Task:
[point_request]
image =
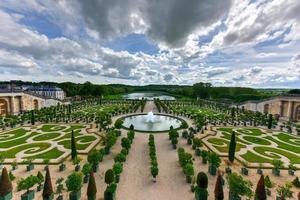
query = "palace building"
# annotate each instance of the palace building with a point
(15, 100)
(285, 107)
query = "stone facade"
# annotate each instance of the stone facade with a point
(284, 107)
(12, 103)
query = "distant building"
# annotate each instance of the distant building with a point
(15, 100)
(47, 91)
(285, 107)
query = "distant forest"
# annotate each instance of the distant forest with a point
(201, 90)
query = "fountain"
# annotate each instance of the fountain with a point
(150, 117)
(152, 122)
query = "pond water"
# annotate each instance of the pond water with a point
(151, 123)
(148, 95)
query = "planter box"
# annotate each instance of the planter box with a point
(62, 167)
(117, 178)
(92, 198)
(291, 172)
(60, 197)
(231, 197)
(198, 152)
(244, 171)
(86, 179)
(77, 168)
(212, 170)
(259, 171)
(95, 168)
(28, 196)
(188, 179)
(276, 172)
(30, 167)
(75, 195)
(6, 197)
(39, 188)
(268, 192)
(228, 170)
(49, 198)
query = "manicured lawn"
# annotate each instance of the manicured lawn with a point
(257, 140)
(51, 154)
(39, 141)
(82, 142)
(252, 157)
(17, 141)
(52, 127)
(261, 151)
(220, 142)
(27, 148)
(46, 136)
(292, 157)
(13, 134)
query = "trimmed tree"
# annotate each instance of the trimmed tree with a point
(270, 120)
(5, 183)
(73, 146)
(238, 186)
(48, 189)
(92, 189)
(260, 192)
(109, 177)
(32, 118)
(232, 145)
(219, 193)
(201, 192)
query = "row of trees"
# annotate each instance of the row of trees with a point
(153, 158)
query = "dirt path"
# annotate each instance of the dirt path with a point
(136, 182)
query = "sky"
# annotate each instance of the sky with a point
(249, 43)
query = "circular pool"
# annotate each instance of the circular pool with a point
(152, 123)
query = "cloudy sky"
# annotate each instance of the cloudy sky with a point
(226, 42)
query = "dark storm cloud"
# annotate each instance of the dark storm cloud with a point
(166, 21)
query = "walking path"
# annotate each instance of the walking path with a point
(136, 182)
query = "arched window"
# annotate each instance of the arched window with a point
(35, 104)
(266, 108)
(3, 107)
(298, 113)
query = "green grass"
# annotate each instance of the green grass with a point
(282, 145)
(292, 157)
(257, 140)
(52, 127)
(28, 149)
(288, 138)
(46, 136)
(51, 154)
(253, 131)
(217, 142)
(254, 158)
(87, 140)
(4, 136)
(22, 140)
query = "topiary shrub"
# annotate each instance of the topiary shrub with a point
(109, 177)
(5, 183)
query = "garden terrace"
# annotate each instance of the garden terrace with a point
(257, 147)
(44, 142)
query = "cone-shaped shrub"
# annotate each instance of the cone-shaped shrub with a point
(260, 192)
(48, 189)
(91, 190)
(232, 146)
(5, 183)
(219, 193)
(73, 146)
